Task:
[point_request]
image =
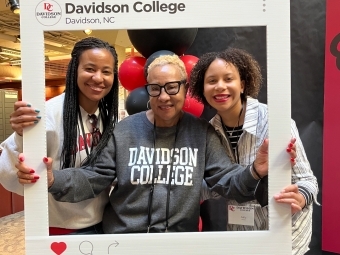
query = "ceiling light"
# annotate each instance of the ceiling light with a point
(88, 31)
(15, 62)
(9, 52)
(15, 7)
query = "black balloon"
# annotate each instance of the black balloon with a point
(147, 41)
(153, 56)
(137, 101)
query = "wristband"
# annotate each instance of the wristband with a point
(257, 174)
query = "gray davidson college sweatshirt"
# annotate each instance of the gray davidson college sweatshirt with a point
(139, 156)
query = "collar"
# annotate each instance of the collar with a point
(251, 117)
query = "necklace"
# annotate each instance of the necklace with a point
(233, 140)
(230, 132)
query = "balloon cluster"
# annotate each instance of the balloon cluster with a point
(152, 43)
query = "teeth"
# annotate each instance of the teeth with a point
(221, 97)
(96, 88)
(165, 107)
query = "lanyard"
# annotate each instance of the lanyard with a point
(152, 188)
(95, 134)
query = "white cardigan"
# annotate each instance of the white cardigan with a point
(62, 215)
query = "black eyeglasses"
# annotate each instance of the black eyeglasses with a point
(171, 88)
(96, 135)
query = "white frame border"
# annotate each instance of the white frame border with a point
(275, 15)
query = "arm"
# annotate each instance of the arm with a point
(229, 180)
(11, 148)
(302, 174)
(78, 184)
(304, 188)
(23, 116)
(206, 193)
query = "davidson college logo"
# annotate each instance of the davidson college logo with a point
(48, 13)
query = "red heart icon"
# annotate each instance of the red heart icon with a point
(58, 248)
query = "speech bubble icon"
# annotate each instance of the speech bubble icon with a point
(86, 248)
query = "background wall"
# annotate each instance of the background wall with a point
(307, 69)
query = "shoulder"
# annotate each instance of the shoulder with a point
(135, 121)
(263, 107)
(131, 118)
(253, 106)
(55, 103)
(194, 122)
(188, 117)
(54, 112)
(195, 125)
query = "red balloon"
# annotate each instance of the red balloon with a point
(189, 62)
(131, 73)
(192, 106)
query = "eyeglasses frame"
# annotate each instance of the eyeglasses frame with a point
(163, 87)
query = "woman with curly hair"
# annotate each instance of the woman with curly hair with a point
(229, 81)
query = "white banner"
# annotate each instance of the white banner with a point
(39, 16)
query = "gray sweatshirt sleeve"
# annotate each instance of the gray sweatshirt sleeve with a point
(206, 192)
(227, 179)
(77, 184)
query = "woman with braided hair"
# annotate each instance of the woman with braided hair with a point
(77, 121)
(229, 81)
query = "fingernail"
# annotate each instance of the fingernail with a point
(39, 117)
(294, 140)
(28, 105)
(21, 159)
(36, 177)
(292, 159)
(35, 122)
(289, 149)
(33, 181)
(45, 160)
(291, 145)
(32, 171)
(36, 110)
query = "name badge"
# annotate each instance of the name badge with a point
(241, 215)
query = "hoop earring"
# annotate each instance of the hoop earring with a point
(147, 105)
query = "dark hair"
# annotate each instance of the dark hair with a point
(248, 68)
(108, 106)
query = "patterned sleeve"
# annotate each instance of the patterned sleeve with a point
(302, 174)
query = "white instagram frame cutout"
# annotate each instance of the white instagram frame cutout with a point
(275, 15)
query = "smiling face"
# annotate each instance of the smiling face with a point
(95, 77)
(166, 109)
(223, 87)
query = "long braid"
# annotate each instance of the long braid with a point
(108, 106)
